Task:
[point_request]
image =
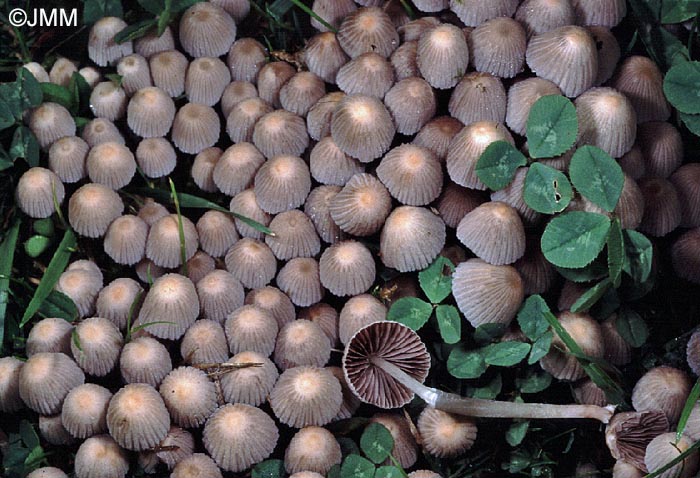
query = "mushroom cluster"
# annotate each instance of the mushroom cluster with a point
(357, 158)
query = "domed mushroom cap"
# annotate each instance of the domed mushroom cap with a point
(662, 148)
(685, 254)
(412, 174)
(49, 335)
(168, 70)
(175, 447)
(156, 157)
(664, 448)
(305, 396)
(274, 301)
(299, 279)
(144, 360)
(108, 100)
(487, 293)
(92, 208)
(332, 11)
(246, 204)
(442, 55)
(125, 240)
(236, 92)
(567, 56)
(608, 53)
(606, 120)
(359, 311)
(312, 449)
(251, 328)
(45, 380)
(204, 342)
(35, 192)
(206, 30)
(662, 388)
(686, 179)
(238, 436)
(219, 294)
(326, 317)
(10, 400)
(199, 265)
(662, 208)
(189, 396)
(47, 472)
(195, 128)
(295, 236)
(539, 16)
(101, 456)
(347, 268)
(513, 195)
(302, 91)
(405, 449)
(203, 168)
(242, 118)
(362, 127)
(102, 49)
(478, 97)
(206, 80)
(318, 119)
(84, 410)
(521, 96)
(474, 13)
(53, 432)
(270, 80)
(245, 59)
(62, 70)
(628, 434)
(236, 167)
(404, 60)
(411, 238)
(497, 47)
(195, 465)
(281, 133)
(282, 183)
(445, 435)
(394, 343)
(317, 207)
(100, 344)
(301, 342)
(587, 333)
(249, 385)
(251, 262)
(412, 103)
(494, 232)
(217, 233)
(150, 112)
(173, 300)
(368, 29)
(163, 242)
(330, 165)
(324, 56)
(82, 287)
(625, 470)
(640, 80)
(137, 418)
(368, 74)
(111, 164)
(50, 122)
(607, 13)
(617, 350)
(361, 207)
(67, 158)
(437, 134)
(135, 73)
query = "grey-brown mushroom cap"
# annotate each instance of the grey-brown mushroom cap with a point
(390, 341)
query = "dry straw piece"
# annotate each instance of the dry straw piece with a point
(662, 388)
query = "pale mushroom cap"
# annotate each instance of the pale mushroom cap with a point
(442, 55)
(67, 158)
(10, 400)
(324, 56)
(274, 301)
(45, 380)
(686, 179)
(412, 103)
(497, 46)
(206, 80)
(317, 207)
(301, 92)
(437, 134)
(35, 192)
(246, 204)
(47, 472)
(662, 208)
(195, 128)
(251, 262)
(445, 435)
(539, 16)
(301, 343)
(195, 465)
(108, 100)
(81, 287)
(299, 279)
(203, 168)
(521, 96)
(101, 130)
(666, 447)
(271, 78)
(150, 112)
(294, 236)
(243, 116)
(478, 97)
(281, 133)
(312, 449)
(365, 30)
(156, 157)
(318, 119)
(347, 268)
(251, 328)
(49, 335)
(50, 122)
(329, 165)
(368, 74)
(102, 49)
(206, 30)
(172, 301)
(117, 299)
(168, 70)
(100, 456)
(135, 73)
(474, 12)
(92, 208)
(455, 202)
(150, 44)
(125, 239)
(236, 92)
(332, 11)
(411, 174)
(405, 62)
(596, 12)
(204, 342)
(359, 311)
(163, 242)
(219, 294)
(236, 167)
(144, 360)
(137, 418)
(405, 449)
(640, 79)
(96, 346)
(84, 410)
(189, 396)
(662, 388)
(282, 183)
(361, 207)
(245, 59)
(606, 120)
(61, 71)
(411, 238)
(494, 232)
(249, 385)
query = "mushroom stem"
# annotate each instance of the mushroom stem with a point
(475, 407)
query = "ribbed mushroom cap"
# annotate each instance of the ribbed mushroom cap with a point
(486, 293)
(150, 44)
(135, 73)
(588, 393)
(324, 56)
(245, 59)
(318, 119)
(567, 56)
(587, 333)
(52, 431)
(84, 410)
(206, 30)
(137, 418)
(662, 209)
(145, 360)
(251, 262)
(332, 11)
(102, 49)
(368, 29)
(347, 268)
(100, 457)
(424, 474)
(686, 180)
(478, 97)
(47, 472)
(628, 434)
(204, 342)
(301, 343)
(617, 350)
(350, 401)
(196, 465)
(539, 16)
(466, 149)
(236, 167)
(494, 232)
(238, 9)
(662, 148)
(305, 396)
(302, 91)
(150, 112)
(295, 236)
(147, 271)
(203, 168)
(37, 71)
(513, 195)
(662, 388)
(299, 279)
(692, 428)
(177, 445)
(156, 157)
(172, 299)
(249, 385)
(368, 74)
(361, 207)
(49, 335)
(474, 13)
(312, 449)
(238, 436)
(195, 128)
(608, 53)
(607, 13)
(189, 396)
(405, 61)
(251, 328)
(61, 71)
(10, 367)
(455, 202)
(640, 80)
(217, 233)
(412, 103)
(67, 158)
(96, 346)
(87, 266)
(444, 435)
(35, 192)
(497, 46)
(163, 243)
(521, 96)
(326, 317)
(437, 134)
(50, 122)
(282, 183)
(125, 240)
(405, 449)
(82, 288)
(281, 133)
(625, 470)
(411, 238)
(151, 211)
(390, 341)
(606, 120)
(219, 294)
(234, 93)
(329, 165)
(317, 208)
(664, 448)
(412, 174)
(632, 163)
(45, 380)
(111, 164)
(168, 69)
(101, 130)
(108, 100)
(274, 301)
(358, 312)
(199, 265)
(206, 80)
(413, 30)
(362, 127)
(271, 78)
(92, 208)
(684, 255)
(241, 120)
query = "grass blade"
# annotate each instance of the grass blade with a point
(689, 404)
(53, 272)
(7, 254)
